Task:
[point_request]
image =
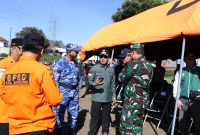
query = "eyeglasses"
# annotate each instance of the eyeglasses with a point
(103, 56)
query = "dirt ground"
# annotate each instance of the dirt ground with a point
(84, 119)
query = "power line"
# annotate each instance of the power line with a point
(21, 13)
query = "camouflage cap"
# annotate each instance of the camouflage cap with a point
(17, 42)
(70, 47)
(137, 46)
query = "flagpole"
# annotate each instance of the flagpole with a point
(112, 55)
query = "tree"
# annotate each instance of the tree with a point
(49, 58)
(132, 7)
(3, 55)
(27, 30)
(57, 44)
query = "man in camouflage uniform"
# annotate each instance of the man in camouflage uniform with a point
(136, 77)
(66, 76)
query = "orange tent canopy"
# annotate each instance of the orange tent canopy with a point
(164, 22)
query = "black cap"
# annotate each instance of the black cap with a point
(189, 55)
(33, 42)
(104, 52)
(17, 42)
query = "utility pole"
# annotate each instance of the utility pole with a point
(52, 28)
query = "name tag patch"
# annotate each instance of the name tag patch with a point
(17, 79)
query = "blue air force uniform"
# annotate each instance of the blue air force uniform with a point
(66, 76)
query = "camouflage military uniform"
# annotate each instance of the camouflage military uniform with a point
(136, 77)
(66, 76)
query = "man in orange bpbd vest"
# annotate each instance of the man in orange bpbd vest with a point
(15, 52)
(30, 91)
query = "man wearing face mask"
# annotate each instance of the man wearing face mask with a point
(188, 103)
(67, 79)
(102, 81)
(15, 53)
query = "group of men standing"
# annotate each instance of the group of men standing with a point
(31, 94)
(27, 89)
(135, 77)
(33, 98)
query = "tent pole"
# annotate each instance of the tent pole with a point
(113, 51)
(179, 84)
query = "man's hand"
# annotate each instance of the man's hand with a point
(180, 104)
(98, 82)
(114, 101)
(197, 97)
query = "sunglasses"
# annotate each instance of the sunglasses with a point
(103, 56)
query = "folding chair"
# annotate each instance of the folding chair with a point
(170, 126)
(159, 104)
(177, 117)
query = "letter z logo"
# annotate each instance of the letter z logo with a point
(175, 8)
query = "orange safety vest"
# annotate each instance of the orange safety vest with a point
(4, 64)
(30, 91)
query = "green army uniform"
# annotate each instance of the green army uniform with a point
(136, 76)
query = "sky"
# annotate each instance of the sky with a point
(71, 21)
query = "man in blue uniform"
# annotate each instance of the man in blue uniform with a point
(66, 76)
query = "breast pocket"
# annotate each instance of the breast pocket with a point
(109, 77)
(98, 75)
